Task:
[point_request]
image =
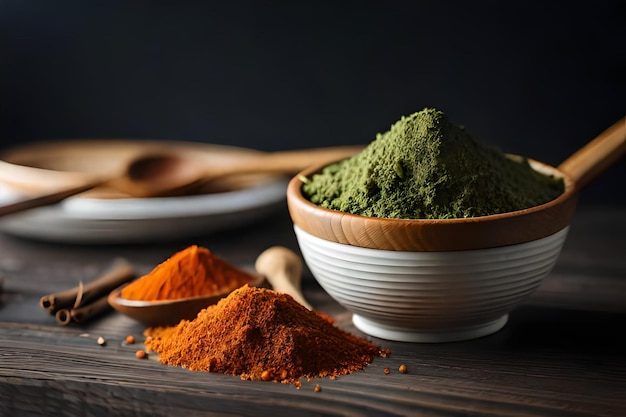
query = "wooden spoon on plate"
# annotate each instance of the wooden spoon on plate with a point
(165, 174)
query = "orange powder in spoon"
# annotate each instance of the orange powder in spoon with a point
(192, 272)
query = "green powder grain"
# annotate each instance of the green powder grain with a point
(426, 167)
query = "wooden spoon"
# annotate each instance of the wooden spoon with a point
(167, 312)
(586, 164)
(166, 174)
(282, 268)
(278, 266)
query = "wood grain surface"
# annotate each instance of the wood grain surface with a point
(563, 353)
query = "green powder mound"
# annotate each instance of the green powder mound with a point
(426, 167)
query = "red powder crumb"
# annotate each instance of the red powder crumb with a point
(317, 388)
(386, 371)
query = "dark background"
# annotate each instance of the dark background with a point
(537, 78)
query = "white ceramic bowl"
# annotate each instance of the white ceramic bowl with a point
(430, 296)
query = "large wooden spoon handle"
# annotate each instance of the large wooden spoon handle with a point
(595, 157)
(285, 162)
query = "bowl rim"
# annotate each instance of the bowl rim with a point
(433, 234)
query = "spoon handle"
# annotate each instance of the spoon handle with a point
(283, 270)
(285, 162)
(45, 199)
(596, 156)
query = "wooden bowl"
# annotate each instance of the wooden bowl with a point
(520, 226)
(167, 312)
(433, 235)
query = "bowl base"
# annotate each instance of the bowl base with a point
(403, 334)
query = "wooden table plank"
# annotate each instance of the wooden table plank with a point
(563, 353)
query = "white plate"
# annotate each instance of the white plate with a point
(91, 219)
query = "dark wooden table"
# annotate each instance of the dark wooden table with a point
(563, 353)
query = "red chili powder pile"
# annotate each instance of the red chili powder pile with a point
(260, 334)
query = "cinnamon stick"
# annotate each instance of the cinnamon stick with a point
(82, 314)
(63, 317)
(98, 307)
(119, 273)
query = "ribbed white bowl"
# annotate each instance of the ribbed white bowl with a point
(430, 296)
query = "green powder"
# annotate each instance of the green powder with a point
(426, 167)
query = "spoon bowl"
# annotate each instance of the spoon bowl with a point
(171, 173)
(168, 312)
